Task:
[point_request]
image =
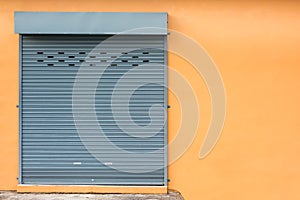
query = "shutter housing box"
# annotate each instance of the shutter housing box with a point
(54, 47)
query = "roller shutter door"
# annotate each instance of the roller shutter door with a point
(52, 149)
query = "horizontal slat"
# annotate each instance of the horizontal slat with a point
(91, 180)
(90, 133)
(81, 127)
(89, 37)
(88, 154)
(83, 156)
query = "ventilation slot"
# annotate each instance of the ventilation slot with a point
(61, 60)
(50, 56)
(113, 65)
(39, 52)
(145, 52)
(135, 57)
(71, 65)
(103, 52)
(92, 56)
(61, 52)
(81, 52)
(71, 56)
(145, 60)
(134, 65)
(124, 60)
(40, 60)
(103, 61)
(50, 65)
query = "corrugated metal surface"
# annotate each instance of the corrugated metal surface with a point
(52, 151)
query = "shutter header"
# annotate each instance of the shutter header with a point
(139, 23)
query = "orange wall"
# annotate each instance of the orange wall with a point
(256, 47)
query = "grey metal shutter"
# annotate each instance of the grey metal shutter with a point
(51, 149)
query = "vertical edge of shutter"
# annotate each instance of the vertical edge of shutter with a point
(166, 110)
(20, 109)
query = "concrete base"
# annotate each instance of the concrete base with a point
(9, 195)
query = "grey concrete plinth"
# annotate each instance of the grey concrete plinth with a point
(8, 195)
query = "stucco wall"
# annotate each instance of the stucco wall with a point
(256, 47)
